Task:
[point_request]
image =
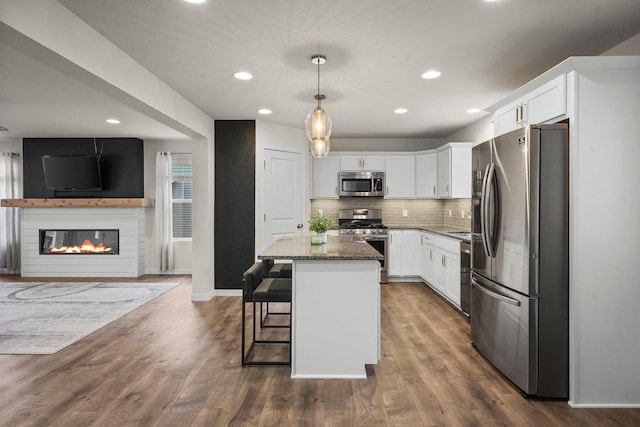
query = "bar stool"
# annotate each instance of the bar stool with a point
(271, 269)
(257, 289)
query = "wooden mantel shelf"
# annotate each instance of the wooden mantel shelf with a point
(77, 203)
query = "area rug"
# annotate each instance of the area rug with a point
(45, 317)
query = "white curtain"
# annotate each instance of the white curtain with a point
(164, 220)
(9, 217)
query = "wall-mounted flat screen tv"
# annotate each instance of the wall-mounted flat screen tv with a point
(72, 172)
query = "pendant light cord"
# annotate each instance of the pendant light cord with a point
(318, 50)
(319, 97)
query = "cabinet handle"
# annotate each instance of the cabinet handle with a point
(444, 261)
(336, 190)
(520, 114)
(387, 190)
(434, 190)
(447, 188)
(430, 254)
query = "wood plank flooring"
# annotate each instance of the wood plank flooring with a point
(173, 362)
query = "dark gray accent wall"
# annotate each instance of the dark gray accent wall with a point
(122, 168)
(235, 177)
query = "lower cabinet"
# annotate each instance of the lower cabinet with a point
(394, 264)
(434, 258)
(427, 257)
(404, 253)
(448, 275)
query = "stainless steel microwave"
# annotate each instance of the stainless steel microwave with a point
(361, 184)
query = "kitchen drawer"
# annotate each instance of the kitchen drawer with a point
(449, 245)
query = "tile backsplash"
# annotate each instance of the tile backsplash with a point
(419, 211)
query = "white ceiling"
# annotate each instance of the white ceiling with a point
(376, 49)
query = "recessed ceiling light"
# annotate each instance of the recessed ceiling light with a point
(400, 110)
(242, 75)
(195, 1)
(431, 74)
(113, 121)
(264, 111)
(473, 110)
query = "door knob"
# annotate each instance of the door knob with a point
(300, 226)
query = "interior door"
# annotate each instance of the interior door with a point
(510, 265)
(283, 195)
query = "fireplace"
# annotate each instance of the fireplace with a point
(79, 242)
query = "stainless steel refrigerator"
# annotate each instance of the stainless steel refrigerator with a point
(520, 257)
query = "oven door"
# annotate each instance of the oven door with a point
(379, 243)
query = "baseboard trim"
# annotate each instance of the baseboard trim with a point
(180, 271)
(605, 405)
(203, 297)
(227, 292)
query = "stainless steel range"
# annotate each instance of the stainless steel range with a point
(367, 225)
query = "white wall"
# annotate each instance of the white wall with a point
(182, 249)
(386, 144)
(284, 138)
(478, 131)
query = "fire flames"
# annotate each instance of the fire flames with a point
(86, 247)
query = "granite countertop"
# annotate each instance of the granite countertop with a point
(336, 248)
(438, 229)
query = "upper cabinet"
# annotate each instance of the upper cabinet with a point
(427, 176)
(325, 177)
(400, 177)
(541, 105)
(362, 163)
(454, 171)
(444, 172)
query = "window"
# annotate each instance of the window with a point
(181, 194)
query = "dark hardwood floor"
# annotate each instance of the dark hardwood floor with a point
(177, 363)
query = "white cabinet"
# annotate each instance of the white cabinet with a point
(325, 177)
(454, 171)
(364, 163)
(411, 253)
(394, 264)
(426, 176)
(447, 269)
(400, 177)
(427, 257)
(541, 105)
(404, 253)
(444, 173)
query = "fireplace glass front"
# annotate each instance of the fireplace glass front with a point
(79, 242)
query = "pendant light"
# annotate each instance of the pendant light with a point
(318, 123)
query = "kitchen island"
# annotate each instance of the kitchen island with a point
(335, 320)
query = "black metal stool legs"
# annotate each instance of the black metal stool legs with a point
(247, 353)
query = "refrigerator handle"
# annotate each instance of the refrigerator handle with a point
(492, 189)
(494, 295)
(484, 211)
